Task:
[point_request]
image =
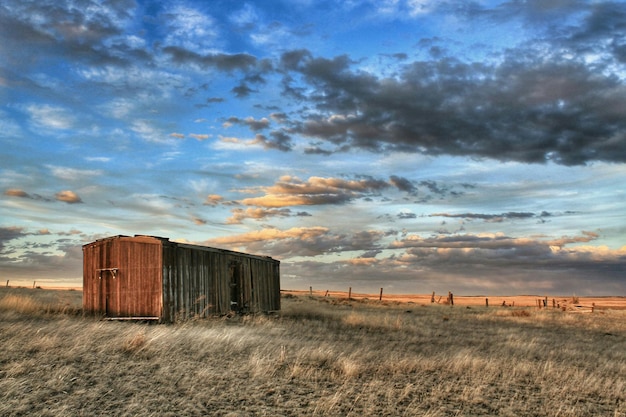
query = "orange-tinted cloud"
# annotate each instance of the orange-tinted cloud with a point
(199, 137)
(292, 191)
(255, 213)
(213, 200)
(300, 233)
(68, 196)
(15, 192)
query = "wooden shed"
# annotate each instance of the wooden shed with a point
(147, 277)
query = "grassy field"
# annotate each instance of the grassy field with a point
(319, 356)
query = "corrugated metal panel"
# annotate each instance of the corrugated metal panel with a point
(122, 277)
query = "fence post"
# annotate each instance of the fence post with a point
(310, 291)
(7, 283)
(450, 298)
(326, 295)
(432, 297)
(380, 298)
(486, 302)
(349, 293)
(34, 282)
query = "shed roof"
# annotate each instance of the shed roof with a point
(167, 241)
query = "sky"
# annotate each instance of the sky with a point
(477, 147)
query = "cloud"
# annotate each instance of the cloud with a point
(191, 29)
(70, 174)
(297, 241)
(242, 90)
(50, 117)
(493, 218)
(462, 241)
(533, 105)
(68, 196)
(253, 124)
(301, 241)
(490, 263)
(10, 233)
(279, 140)
(292, 191)
(16, 192)
(79, 34)
(220, 61)
(51, 257)
(149, 131)
(256, 214)
(198, 221)
(403, 184)
(199, 137)
(213, 200)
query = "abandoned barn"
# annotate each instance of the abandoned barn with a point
(147, 277)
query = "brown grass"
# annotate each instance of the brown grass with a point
(317, 357)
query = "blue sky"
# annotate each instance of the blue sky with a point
(415, 145)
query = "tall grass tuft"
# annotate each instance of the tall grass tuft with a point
(34, 302)
(20, 304)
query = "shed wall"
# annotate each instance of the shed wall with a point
(202, 281)
(122, 277)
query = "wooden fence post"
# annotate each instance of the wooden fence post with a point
(486, 302)
(432, 297)
(380, 298)
(7, 283)
(450, 298)
(310, 291)
(349, 293)
(326, 295)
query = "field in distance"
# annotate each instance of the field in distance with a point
(318, 356)
(612, 302)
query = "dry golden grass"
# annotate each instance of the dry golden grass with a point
(317, 357)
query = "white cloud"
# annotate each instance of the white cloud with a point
(191, 29)
(53, 117)
(70, 174)
(147, 130)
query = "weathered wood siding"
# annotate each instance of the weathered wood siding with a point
(202, 281)
(146, 276)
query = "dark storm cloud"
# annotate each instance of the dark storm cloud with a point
(460, 262)
(242, 90)
(403, 184)
(493, 218)
(8, 234)
(525, 109)
(279, 140)
(253, 124)
(60, 28)
(220, 61)
(546, 100)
